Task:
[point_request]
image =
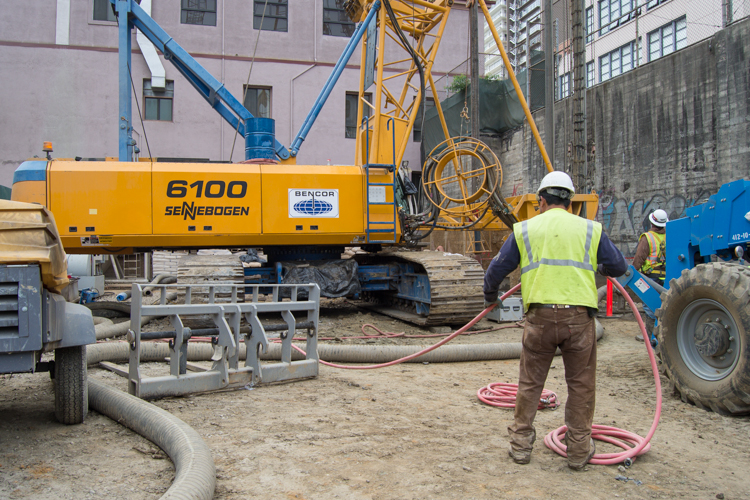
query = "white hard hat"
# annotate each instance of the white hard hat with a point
(658, 218)
(558, 184)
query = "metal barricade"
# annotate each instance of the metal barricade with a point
(227, 338)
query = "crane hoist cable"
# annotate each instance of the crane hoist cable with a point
(140, 115)
(247, 83)
(412, 53)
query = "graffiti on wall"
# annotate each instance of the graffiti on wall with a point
(625, 220)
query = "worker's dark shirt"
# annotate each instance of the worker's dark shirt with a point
(610, 263)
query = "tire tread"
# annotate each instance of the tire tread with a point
(71, 388)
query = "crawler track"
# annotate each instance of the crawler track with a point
(455, 288)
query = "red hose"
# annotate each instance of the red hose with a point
(632, 444)
(427, 349)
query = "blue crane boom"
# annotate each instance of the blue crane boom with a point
(129, 15)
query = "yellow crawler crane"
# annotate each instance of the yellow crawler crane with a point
(305, 212)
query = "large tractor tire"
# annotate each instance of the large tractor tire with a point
(71, 387)
(704, 335)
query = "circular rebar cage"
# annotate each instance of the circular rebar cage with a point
(461, 177)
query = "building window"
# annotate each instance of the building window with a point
(613, 13)
(667, 39)
(103, 11)
(157, 103)
(653, 3)
(352, 99)
(590, 74)
(617, 62)
(198, 12)
(258, 101)
(417, 130)
(336, 21)
(275, 18)
(589, 25)
(564, 86)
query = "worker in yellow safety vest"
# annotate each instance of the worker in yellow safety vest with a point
(649, 255)
(559, 254)
(649, 259)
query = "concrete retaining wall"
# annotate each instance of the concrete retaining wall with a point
(665, 135)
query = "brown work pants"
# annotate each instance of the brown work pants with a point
(574, 332)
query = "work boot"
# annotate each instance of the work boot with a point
(520, 457)
(581, 465)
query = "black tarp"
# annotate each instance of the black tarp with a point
(336, 278)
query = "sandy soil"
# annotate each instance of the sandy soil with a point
(412, 431)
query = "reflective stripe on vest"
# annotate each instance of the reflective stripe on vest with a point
(585, 265)
(558, 259)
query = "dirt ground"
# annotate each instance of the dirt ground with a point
(411, 431)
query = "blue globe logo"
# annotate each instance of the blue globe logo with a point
(313, 207)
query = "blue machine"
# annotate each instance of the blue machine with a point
(703, 310)
(88, 295)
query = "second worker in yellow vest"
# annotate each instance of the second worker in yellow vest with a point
(559, 254)
(649, 259)
(649, 255)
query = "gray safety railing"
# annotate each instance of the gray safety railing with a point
(227, 337)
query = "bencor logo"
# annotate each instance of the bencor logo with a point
(313, 203)
(313, 207)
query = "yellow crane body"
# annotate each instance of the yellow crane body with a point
(104, 206)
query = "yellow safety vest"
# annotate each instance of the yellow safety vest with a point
(558, 259)
(654, 263)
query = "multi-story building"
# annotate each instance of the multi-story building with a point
(524, 31)
(618, 41)
(493, 63)
(58, 68)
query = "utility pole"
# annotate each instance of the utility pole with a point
(474, 82)
(549, 82)
(726, 13)
(579, 89)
